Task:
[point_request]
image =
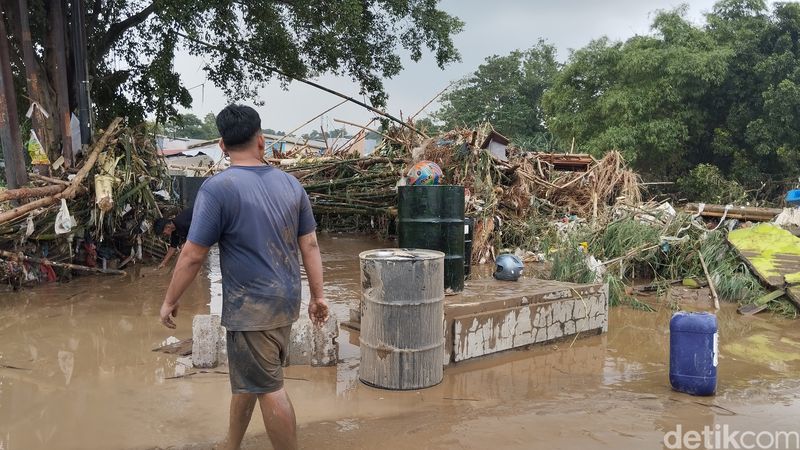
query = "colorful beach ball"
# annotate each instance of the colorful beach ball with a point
(425, 173)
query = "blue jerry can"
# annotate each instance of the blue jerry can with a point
(693, 342)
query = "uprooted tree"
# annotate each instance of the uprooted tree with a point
(132, 46)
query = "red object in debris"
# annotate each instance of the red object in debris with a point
(91, 255)
(49, 273)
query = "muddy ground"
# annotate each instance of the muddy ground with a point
(84, 377)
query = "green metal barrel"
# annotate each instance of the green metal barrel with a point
(432, 217)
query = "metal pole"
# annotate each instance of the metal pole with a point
(79, 54)
(10, 139)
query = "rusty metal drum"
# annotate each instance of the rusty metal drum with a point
(402, 317)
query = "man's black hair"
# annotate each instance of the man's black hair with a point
(158, 227)
(237, 124)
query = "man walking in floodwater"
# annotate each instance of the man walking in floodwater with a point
(261, 217)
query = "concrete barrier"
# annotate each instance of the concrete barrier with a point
(208, 341)
(308, 345)
(315, 346)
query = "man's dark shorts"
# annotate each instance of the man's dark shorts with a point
(256, 358)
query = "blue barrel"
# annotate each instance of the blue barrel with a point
(693, 353)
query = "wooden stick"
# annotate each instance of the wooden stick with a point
(20, 256)
(28, 192)
(710, 281)
(36, 176)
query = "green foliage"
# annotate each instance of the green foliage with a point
(190, 126)
(725, 93)
(505, 91)
(133, 43)
(631, 239)
(705, 183)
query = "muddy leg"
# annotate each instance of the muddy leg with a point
(241, 409)
(279, 419)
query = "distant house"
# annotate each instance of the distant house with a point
(497, 144)
(289, 144)
(189, 156)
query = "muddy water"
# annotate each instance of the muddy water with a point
(86, 378)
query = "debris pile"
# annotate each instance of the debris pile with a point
(584, 216)
(94, 218)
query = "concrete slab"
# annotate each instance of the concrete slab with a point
(490, 316)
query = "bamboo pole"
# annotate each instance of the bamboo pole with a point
(736, 212)
(70, 192)
(301, 80)
(411, 118)
(19, 256)
(374, 131)
(710, 281)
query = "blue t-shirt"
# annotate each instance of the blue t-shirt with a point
(256, 215)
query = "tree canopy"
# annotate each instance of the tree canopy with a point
(506, 91)
(132, 46)
(725, 93)
(191, 126)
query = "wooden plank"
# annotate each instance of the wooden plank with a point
(793, 294)
(761, 303)
(772, 253)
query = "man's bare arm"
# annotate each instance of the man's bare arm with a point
(312, 260)
(189, 263)
(170, 253)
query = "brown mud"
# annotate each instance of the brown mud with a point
(84, 377)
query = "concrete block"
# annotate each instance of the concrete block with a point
(311, 345)
(208, 336)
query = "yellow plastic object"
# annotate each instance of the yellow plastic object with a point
(36, 152)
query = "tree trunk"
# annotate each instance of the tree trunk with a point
(22, 193)
(36, 84)
(10, 139)
(57, 37)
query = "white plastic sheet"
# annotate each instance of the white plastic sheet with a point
(64, 221)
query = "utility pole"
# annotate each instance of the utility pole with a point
(59, 62)
(81, 69)
(10, 139)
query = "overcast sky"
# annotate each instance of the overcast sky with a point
(491, 28)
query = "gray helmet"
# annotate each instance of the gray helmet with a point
(508, 267)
